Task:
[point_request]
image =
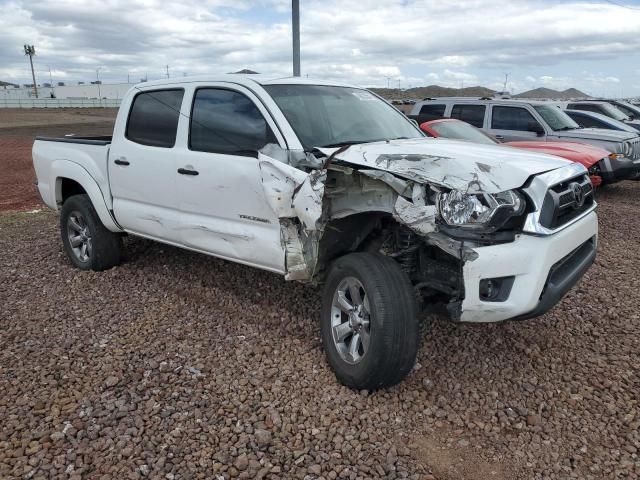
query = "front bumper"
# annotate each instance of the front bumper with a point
(544, 270)
(615, 170)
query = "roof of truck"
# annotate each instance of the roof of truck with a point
(248, 80)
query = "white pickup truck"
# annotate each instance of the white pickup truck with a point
(328, 183)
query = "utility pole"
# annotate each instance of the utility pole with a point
(167, 71)
(506, 79)
(51, 81)
(30, 50)
(295, 28)
(98, 81)
(398, 84)
(388, 79)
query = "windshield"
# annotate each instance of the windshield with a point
(325, 116)
(628, 108)
(613, 112)
(461, 131)
(556, 118)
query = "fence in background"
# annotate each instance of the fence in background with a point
(59, 102)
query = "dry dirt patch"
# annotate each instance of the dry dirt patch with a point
(18, 128)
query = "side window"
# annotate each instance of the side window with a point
(473, 114)
(583, 106)
(431, 111)
(153, 119)
(511, 118)
(225, 121)
(586, 121)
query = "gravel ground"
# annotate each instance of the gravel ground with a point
(178, 366)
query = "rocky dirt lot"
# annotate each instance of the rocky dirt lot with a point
(180, 366)
(177, 366)
(18, 127)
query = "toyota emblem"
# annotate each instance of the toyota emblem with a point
(578, 194)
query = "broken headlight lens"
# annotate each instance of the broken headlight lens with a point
(480, 210)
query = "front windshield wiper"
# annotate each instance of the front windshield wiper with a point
(565, 128)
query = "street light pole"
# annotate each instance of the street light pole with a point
(51, 81)
(295, 28)
(30, 50)
(98, 82)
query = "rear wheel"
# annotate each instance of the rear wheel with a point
(369, 327)
(87, 242)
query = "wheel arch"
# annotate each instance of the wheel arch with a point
(71, 179)
(348, 234)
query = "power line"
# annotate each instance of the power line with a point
(622, 6)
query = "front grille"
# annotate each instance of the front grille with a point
(566, 201)
(635, 149)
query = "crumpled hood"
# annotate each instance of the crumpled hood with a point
(596, 134)
(450, 163)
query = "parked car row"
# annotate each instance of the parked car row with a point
(584, 154)
(522, 120)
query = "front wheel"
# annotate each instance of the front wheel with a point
(369, 327)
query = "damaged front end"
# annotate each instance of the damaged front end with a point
(408, 207)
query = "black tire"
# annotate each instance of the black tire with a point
(393, 324)
(105, 246)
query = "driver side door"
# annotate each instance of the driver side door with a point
(224, 209)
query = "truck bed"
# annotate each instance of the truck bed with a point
(81, 159)
(95, 140)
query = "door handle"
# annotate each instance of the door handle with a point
(185, 171)
(121, 161)
(499, 137)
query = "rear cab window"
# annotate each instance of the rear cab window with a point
(153, 118)
(472, 114)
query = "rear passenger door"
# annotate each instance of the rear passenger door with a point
(472, 114)
(224, 209)
(510, 123)
(142, 173)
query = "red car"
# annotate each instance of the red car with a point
(587, 155)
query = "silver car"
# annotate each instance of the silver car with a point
(512, 120)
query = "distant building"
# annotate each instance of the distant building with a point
(62, 91)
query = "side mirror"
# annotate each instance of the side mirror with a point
(536, 128)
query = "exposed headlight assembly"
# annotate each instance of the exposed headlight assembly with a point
(627, 149)
(479, 210)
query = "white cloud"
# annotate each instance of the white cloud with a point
(470, 41)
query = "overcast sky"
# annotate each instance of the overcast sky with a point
(591, 45)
